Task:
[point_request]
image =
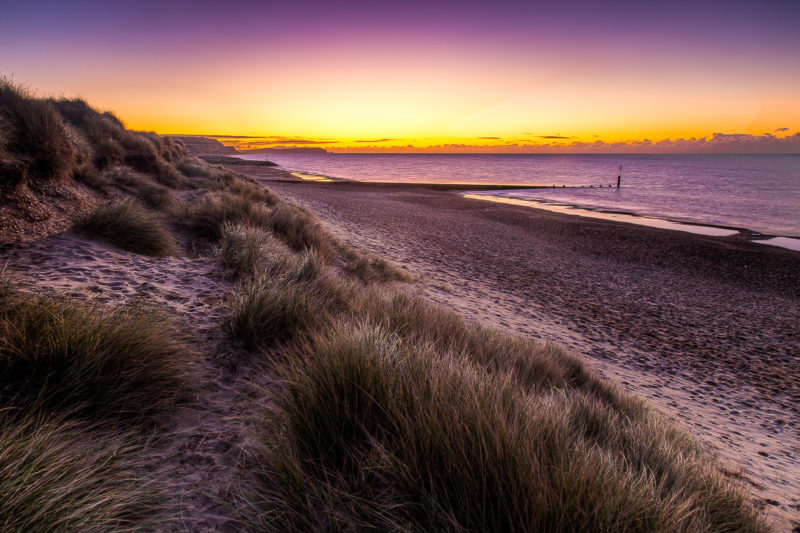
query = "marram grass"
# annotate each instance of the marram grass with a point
(130, 227)
(57, 475)
(376, 430)
(77, 359)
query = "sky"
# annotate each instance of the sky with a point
(422, 75)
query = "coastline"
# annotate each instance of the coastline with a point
(486, 192)
(675, 224)
(698, 325)
(236, 361)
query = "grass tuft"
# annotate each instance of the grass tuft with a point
(257, 207)
(533, 365)
(155, 196)
(61, 476)
(78, 359)
(212, 211)
(130, 227)
(90, 176)
(268, 310)
(193, 167)
(300, 229)
(286, 302)
(251, 250)
(36, 136)
(371, 268)
(377, 431)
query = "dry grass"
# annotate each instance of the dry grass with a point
(299, 230)
(143, 153)
(59, 355)
(194, 167)
(218, 178)
(113, 145)
(46, 139)
(396, 414)
(372, 268)
(62, 476)
(130, 227)
(90, 176)
(142, 186)
(266, 311)
(249, 250)
(35, 137)
(378, 431)
(207, 216)
(5, 136)
(533, 365)
(276, 306)
(156, 197)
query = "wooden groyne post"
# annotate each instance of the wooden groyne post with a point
(619, 178)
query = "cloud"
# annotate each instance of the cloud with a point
(303, 141)
(556, 136)
(268, 139)
(377, 140)
(238, 136)
(492, 138)
(251, 142)
(718, 143)
(781, 129)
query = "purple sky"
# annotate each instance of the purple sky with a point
(420, 71)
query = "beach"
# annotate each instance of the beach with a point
(698, 326)
(702, 327)
(434, 266)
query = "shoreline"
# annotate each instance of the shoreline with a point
(214, 340)
(699, 326)
(789, 242)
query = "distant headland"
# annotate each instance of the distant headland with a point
(208, 146)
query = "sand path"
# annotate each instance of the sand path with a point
(704, 328)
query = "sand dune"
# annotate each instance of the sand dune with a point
(704, 328)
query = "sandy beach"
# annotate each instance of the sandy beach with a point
(434, 266)
(702, 327)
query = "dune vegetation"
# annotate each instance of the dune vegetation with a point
(395, 413)
(129, 227)
(126, 362)
(61, 475)
(370, 407)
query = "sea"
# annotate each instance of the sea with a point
(759, 193)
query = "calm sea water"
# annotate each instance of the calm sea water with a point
(757, 192)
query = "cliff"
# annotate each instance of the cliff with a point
(203, 145)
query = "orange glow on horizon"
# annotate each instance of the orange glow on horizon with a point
(483, 75)
(389, 114)
(481, 100)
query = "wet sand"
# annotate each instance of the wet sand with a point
(703, 327)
